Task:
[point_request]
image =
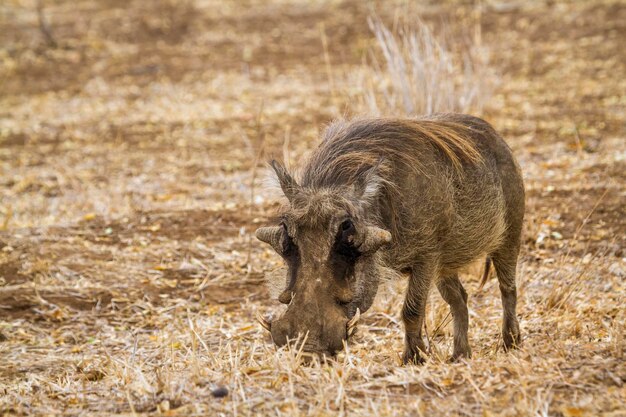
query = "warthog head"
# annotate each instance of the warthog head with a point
(332, 261)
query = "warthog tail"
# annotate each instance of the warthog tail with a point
(485, 277)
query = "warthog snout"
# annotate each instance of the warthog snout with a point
(334, 332)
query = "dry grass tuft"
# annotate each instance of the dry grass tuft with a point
(422, 73)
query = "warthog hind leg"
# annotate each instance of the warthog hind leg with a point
(505, 264)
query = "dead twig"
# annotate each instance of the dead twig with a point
(329, 72)
(253, 172)
(44, 26)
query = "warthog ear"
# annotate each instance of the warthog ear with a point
(270, 235)
(375, 238)
(287, 183)
(369, 185)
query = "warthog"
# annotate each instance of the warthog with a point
(423, 196)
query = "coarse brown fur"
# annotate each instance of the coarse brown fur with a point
(445, 187)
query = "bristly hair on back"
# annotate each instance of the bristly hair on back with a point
(350, 149)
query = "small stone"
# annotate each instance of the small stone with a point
(617, 270)
(164, 406)
(220, 392)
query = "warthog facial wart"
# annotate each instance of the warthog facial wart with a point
(423, 197)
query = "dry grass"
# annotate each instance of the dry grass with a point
(423, 74)
(128, 278)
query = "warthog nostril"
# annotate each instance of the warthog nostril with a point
(266, 324)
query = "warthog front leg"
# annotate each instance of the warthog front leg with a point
(413, 312)
(454, 294)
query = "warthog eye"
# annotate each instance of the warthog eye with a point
(343, 257)
(346, 231)
(345, 253)
(288, 246)
(291, 255)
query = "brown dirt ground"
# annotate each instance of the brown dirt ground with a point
(128, 275)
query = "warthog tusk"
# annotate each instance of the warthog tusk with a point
(353, 322)
(267, 325)
(351, 331)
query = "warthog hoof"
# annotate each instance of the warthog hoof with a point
(413, 350)
(461, 353)
(511, 336)
(412, 358)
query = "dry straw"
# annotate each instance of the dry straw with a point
(413, 72)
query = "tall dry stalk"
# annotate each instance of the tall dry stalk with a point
(422, 73)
